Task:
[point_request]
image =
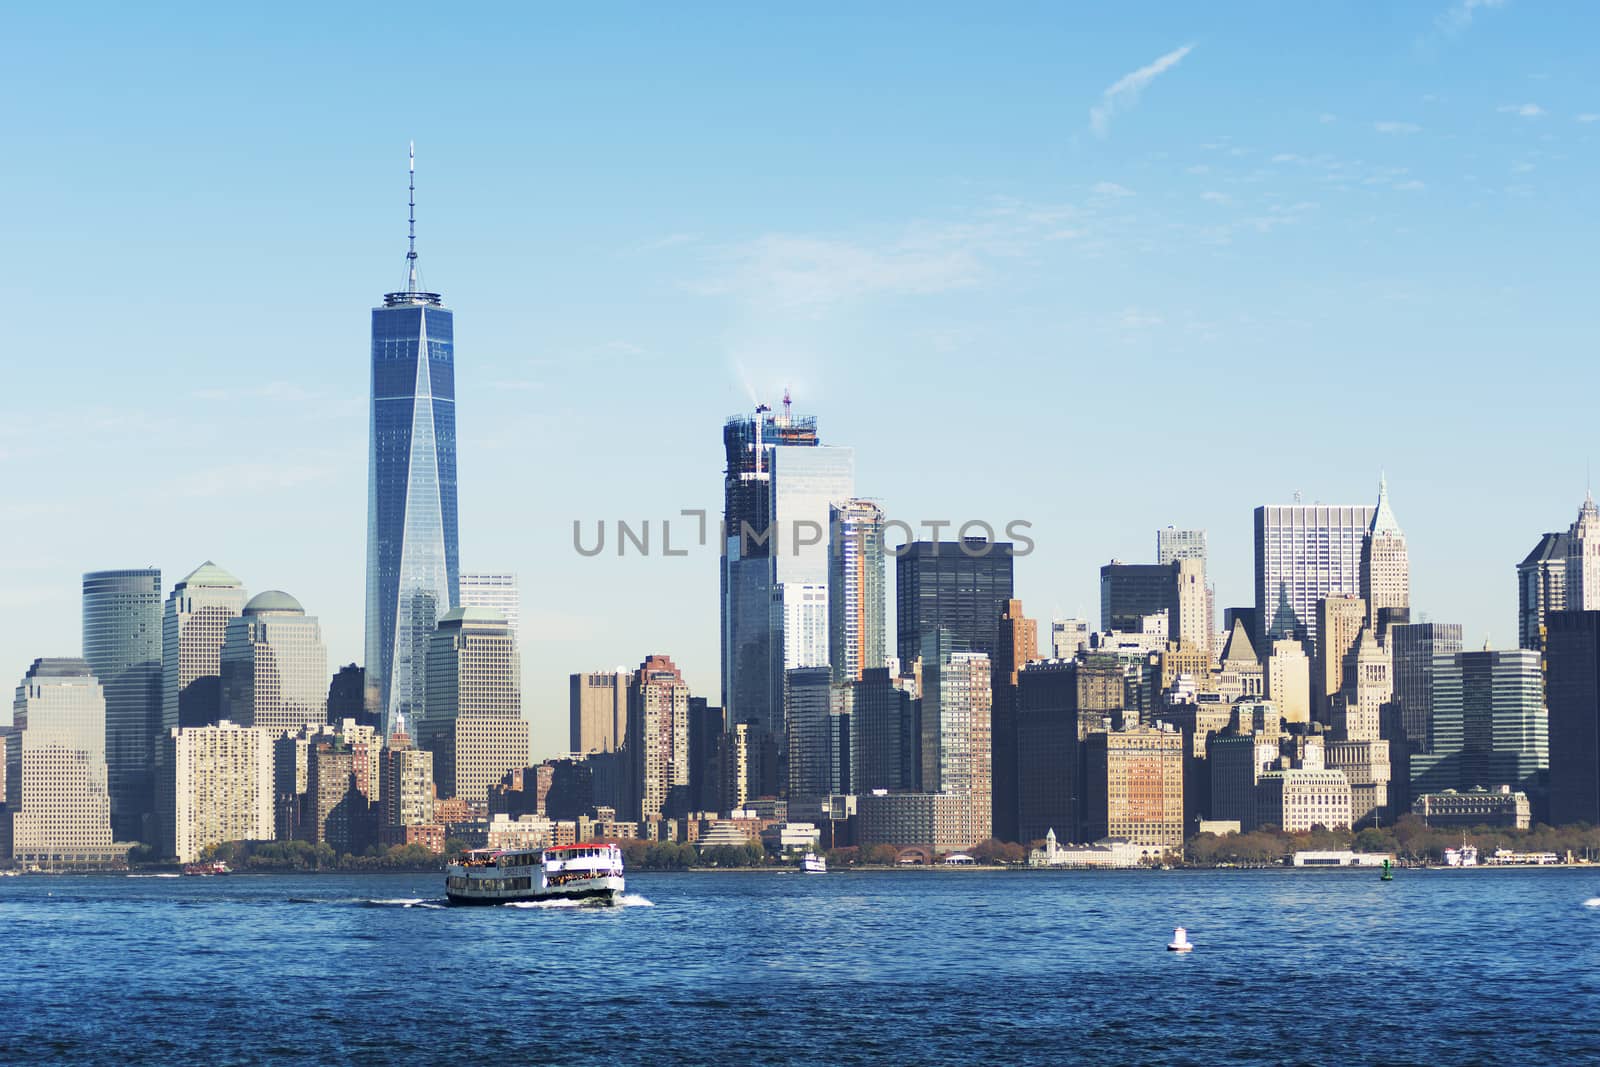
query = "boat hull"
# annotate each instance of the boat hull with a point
(599, 893)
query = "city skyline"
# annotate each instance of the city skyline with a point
(806, 292)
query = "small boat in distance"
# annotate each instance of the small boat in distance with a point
(811, 863)
(1180, 941)
(590, 873)
(206, 870)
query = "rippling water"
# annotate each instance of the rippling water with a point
(893, 967)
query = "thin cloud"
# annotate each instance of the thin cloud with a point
(1111, 189)
(1123, 94)
(1588, 117)
(1460, 16)
(1396, 127)
(1523, 111)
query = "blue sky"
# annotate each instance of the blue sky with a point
(1299, 244)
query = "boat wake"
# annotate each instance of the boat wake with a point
(627, 900)
(1592, 902)
(155, 876)
(405, 902)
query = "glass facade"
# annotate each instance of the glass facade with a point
(413, 560)
(122, 645)
(956, 586)
(1305, 553)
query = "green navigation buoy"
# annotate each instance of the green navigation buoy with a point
(1388, 872)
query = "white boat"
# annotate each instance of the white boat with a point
(811, 863)
(589, 873)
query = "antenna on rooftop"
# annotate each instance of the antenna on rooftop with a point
(411, 221)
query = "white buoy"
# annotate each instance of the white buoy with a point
(1180, 941)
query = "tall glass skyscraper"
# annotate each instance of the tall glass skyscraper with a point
(122, 645)
(413, 561)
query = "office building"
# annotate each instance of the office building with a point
(1174, 544)
(1340, 621)
(122, 645)
(1582, 571)
(193, 627)
(473, 721)
(1414, 648)
(1289, 679)
(1489, 725)
(1298, 799)
(1059, 703)
(813, 739)
(1541, 588)
(705, 738)
(337, 806)
(779, 485)
(1572, 692)
(1130, 591)
(1018, 645)
(217, 786)
(347, 697)
(413, 555)
(1190, 610)
(956, 586)
(1133, 785)
(497, 591)
(274, 666)
(1067, 636)
(598, 711)
(1469, 809)
(1305, 553)
(856, 589)
(1385, 569)
(885, 745)
(934, 823)
(57, 796)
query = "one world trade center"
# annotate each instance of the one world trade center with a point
(413, 562)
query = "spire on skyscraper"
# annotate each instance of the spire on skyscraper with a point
(411, 220)
(1383, 521)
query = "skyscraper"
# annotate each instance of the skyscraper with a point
(1174, 544)
(1489, 723)
(1305, 553)
(497, 591)
(1385, 569)
(413, 560)
(1583, 559)
(274, 666)
(1541, 588)
(956, 730)
(122, 645)
(55, 752)
(813, 764)
(778, 487)
(193, 627)
(473, 721)
(959, 586)
(1018, 645)
(1130, 591)
(1415, 648)
(1339, 622)
(855, 589)
(1572, 688)
(598, 711)
(658, 738)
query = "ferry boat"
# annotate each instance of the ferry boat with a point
(811, 863)
(590, 873)
(206, 870)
